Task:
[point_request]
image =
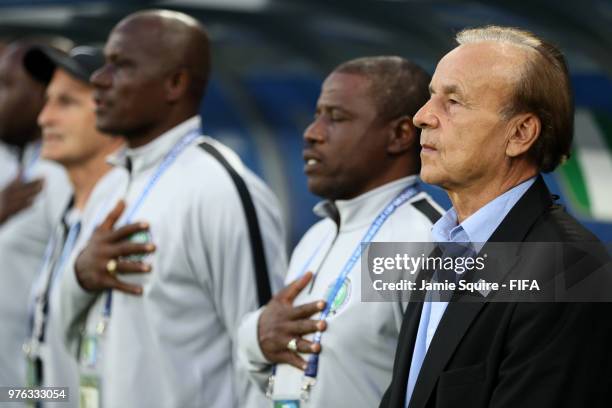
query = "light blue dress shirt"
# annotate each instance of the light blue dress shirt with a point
(476, 229)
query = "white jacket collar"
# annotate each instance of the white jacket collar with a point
(144, 157)
(361, 210)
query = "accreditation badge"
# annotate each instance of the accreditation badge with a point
(31, 351)
(32, 375)
(342, 297)
(286, 403)
(140, 237)
(89, 391)
(31, 372)
(89, 352)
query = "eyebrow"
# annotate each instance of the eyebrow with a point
(328, 108)
(447, 90)
(61, 96)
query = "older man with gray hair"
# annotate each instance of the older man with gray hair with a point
(500, 113)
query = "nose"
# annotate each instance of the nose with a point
(315, 132)
(426, 117)
(101, 78)
(46, 116)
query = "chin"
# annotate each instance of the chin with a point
(320, 189)
(107, 127)
(50, 154)
(430, 176)
(314, 187)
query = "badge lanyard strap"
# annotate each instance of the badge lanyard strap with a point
(32, 162)
(40, 287)
(164, 165)
(41, 308)
(302, 272)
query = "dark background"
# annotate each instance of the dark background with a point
(270, 56)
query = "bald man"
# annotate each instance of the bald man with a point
(165, 279)
(31, 221)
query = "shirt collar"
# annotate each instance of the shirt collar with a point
(361, 210)
(72, 216)
(144, 157)
(479, 227)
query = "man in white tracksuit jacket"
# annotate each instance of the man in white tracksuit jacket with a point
(361, 153)
(23, 234)
(69, 138)
(182, 268)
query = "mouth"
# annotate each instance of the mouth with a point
(311, 161)
(100, 102)
(427, 148)
(51, 137)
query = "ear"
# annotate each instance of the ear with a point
(524, 131)
(402, 135)
(176, 85)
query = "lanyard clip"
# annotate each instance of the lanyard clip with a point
(101, 326)
(307, 384)
(270, 387)
(31, 348)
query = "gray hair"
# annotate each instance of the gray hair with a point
(543, 89)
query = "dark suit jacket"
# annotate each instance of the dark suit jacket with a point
(513, 354)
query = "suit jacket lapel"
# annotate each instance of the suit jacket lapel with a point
(460, 314)
(403, 355)
(407, 336)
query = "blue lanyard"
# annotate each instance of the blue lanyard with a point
(41, 307)
(164, 165)
(32, 162)
(73, 234)
(310, 374)
(313, 361)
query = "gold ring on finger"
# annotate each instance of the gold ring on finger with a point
(111, 267)
(292, 345)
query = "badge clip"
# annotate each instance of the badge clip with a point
(101, 326)
(270, 387)
(307, 384)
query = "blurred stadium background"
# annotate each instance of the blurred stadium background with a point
(270, 56)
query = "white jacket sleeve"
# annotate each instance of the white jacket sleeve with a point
(250, 356)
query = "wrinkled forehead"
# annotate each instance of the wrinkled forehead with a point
(481, 69)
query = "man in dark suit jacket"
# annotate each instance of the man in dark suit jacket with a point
(500, 113)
